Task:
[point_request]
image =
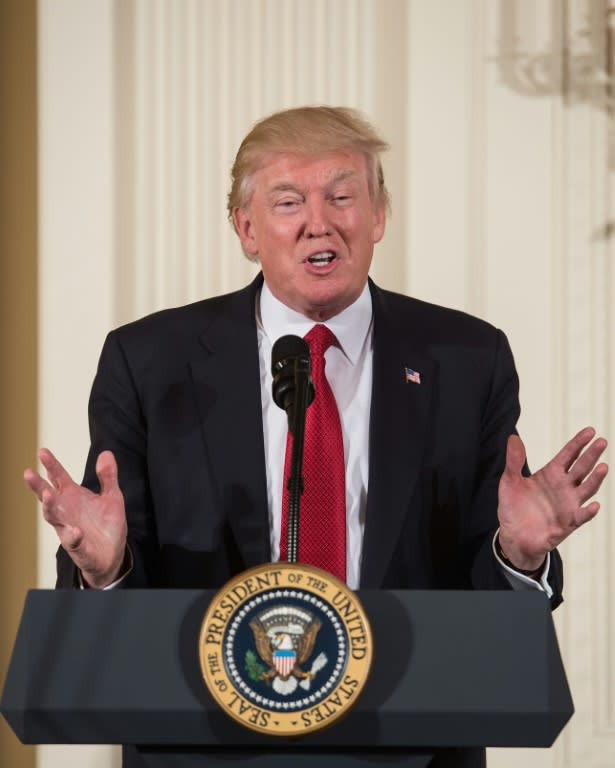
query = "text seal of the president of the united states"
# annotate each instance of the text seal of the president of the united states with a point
(285, 648)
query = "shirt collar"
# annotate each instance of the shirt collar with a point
(350, 326)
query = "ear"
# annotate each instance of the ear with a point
(245, 229)
(380, 220)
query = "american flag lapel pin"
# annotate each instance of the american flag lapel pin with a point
(412, 376)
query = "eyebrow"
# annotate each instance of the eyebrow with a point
(287, 186)
(283, 186)
(343, 175)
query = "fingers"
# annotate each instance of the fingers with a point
(106, 471)
(56, 473)
(47, 490)
(35, 482)
(51, 507)
(591, 485)
(573, 448)
(51, 492)
(47, 495)
(581, 516)
(579, 457)
(576, 465)
(586, 461)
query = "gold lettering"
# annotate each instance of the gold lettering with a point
(264, 719)
(214, 634)
(213, 662)
(343, 605)
(228, 604)
(263, 581)
(347, 692)
(335, 699)
(239, 592)
(234, 699)
(318, 584)
(317, 715)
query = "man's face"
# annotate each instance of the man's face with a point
(312, 224)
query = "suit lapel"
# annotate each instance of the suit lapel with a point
(399, 422)
(227, 389)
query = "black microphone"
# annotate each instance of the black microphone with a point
(293, 391)
(291, 368)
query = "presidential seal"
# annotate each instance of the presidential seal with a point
(285, 648)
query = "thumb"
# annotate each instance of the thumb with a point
(515, 456)
(106, 471)
(71, 537)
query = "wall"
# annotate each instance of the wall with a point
(500, 119)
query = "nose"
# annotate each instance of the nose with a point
(316, 223)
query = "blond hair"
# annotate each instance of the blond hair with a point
(307, 131)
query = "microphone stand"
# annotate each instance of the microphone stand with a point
(295, 479)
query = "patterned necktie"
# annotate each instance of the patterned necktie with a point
(322, 520)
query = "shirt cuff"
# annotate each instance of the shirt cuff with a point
(520, 582)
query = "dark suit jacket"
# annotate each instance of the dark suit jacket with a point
(177, 399)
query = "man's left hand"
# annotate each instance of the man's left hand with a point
(537, 513)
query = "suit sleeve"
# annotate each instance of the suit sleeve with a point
(499, 418)
(117, 424)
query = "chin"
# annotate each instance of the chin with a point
(324, 307)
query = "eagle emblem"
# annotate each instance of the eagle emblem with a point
(285, 637)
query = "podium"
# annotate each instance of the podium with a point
(451, 669)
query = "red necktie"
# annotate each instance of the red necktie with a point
(322, 520)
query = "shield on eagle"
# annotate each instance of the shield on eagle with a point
(284, 661)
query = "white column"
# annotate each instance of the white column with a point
(509, 215)
(586, 363)
(76, 264)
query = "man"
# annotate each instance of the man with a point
(184, 480)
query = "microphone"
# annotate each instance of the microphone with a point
(292, 383)
(293, 391)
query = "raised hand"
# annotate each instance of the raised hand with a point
(537, 513)
(91, 526)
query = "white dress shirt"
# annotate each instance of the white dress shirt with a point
(349, 371)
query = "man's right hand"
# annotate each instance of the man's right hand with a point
(91, 527)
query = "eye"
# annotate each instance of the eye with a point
(287, 204)
(342, 199)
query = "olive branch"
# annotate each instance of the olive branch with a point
(254, 668)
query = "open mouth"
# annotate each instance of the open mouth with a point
(321, 259)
